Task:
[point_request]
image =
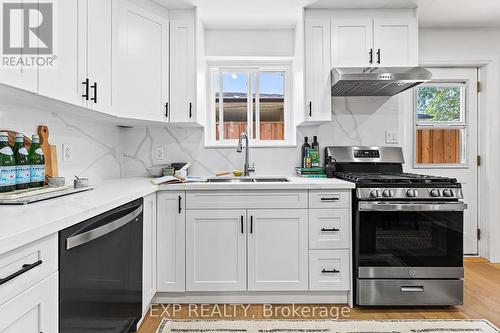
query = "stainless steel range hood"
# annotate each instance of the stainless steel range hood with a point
(376, 81)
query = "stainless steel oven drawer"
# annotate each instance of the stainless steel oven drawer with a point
(389, 292)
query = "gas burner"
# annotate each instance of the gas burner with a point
(393, 178)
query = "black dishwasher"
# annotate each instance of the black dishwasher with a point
(100, 272)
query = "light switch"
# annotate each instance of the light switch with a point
(159, 153)
(391, 136)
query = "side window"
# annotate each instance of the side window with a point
(440, 124)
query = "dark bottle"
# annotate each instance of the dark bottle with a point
(37, 163)
(22, 164)
(315, 144)
(303, 152)
(315, 148)
(7, 165)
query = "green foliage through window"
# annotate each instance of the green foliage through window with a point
(439, 103)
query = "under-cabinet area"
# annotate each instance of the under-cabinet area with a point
(257, 245)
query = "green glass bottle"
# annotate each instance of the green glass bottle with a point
(37, 163)
(7, 165)
(22, 163)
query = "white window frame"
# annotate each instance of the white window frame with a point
(250, 67)
(460, 124)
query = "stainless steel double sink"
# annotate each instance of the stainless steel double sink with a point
(247, 180)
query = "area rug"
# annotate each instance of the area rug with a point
(320, 326)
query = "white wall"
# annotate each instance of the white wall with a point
(250, 43)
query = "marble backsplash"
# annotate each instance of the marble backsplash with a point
(356, 121)
(97, 147)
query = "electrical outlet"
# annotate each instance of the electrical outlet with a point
(67, 152)
(391, 136)
(159, 153)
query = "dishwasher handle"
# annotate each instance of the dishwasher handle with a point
(90, 235)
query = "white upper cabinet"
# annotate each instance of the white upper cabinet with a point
(317, 70)
(379, 42)
(277, 250)
(141, 85)
(352, 42)
(64, 81)
(182, 106)
(395, 42)
(99, 53)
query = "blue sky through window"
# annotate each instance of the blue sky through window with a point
(270, 83)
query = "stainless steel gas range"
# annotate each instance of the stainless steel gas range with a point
(407, 232)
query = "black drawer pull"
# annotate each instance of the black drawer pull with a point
(180, 205)
(330, 229)
(242, 230)
(330, 271)
(251, 224)
(24, 269)
(190, 110)
(330, 199)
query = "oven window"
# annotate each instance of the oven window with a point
(413, 239)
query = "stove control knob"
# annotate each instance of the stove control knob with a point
(435, 193)
(374, 194)
(387, 193)
(411, 193)
(447, 193)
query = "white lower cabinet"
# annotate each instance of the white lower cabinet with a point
(170, 239)
(277, 250)
(34, 310)
(216, 250)
(329, 270)
(149, 251)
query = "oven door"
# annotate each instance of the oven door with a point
(420, 240)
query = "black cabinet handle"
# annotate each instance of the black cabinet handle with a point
(330, 229)
(86, 94)
(24, 269)
(370, 59)
(378, 56)
(190, 110)
(180, 206)
(94, 87)
(166, 109)
(242, 231)
(330, 199)
(251, 224)
(329, 271)
(310, 109)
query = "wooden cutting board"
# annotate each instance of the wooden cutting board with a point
(50, 151)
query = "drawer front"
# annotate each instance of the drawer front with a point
(409, 292)
(329, 270)
(34, 310)
(24, 267)
(329, 228)
(329, 199)
(245, 199)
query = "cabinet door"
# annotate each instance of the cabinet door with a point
(182, 71)
(216, 250)
(64, 82)
(277, 250)
(142, 63)
(99, 45)
(149, 251)
(34, 310)
(171, 234)
(396, 42)
(19, 76)
(317, 68)
(352, 42)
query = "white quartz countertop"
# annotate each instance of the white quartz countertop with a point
(293, 183)
(20, 225)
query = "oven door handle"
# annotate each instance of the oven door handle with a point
(90, 235)
(384, 206)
